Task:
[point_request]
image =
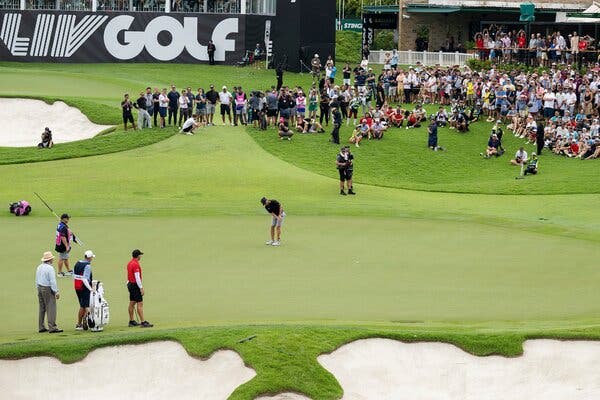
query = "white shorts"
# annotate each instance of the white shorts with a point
(277, 222)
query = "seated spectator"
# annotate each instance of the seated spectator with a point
(532, 165)
(397, 118)
(46, 142)
(377, 129)
(520, 157)
(284, 129)
(441, 118)
(492, 147)
(411, 120)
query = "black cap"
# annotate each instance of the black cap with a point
(263, 201)
(136, 253)
(64, 216)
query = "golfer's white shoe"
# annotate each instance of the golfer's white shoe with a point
(276, 243)
(269, 242)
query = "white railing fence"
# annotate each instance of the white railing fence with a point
(427, 58)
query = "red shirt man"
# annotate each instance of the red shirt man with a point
(136, 290)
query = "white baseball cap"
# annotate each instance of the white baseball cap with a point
(89, 254)
(224, 87)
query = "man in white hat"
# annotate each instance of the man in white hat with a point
(45, 281)
(82, 280)
(225, 99)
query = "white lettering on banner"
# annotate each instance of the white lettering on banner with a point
(182, 37)
(67, 36)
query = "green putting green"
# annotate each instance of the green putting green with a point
(483, 268)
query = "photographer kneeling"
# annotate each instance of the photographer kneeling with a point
(284, 129)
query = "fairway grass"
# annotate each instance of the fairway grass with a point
(483, 271)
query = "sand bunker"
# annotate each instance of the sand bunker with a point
(160, 370)
(24, 120)
(387, 369)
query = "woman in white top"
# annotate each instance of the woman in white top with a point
(163, 105)
(183, 106)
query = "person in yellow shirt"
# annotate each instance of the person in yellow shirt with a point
(470, 93)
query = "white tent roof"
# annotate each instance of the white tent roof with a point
(593, 9)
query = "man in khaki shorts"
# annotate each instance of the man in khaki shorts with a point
(276, 210)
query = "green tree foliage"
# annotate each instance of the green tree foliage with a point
(352, 7)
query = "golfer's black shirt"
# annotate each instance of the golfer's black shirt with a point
(212, 96)
(273, 207)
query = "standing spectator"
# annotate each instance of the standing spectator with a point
(315, 65)
(136, 290)
(127, 108)
(211, 103)
(211, 52)
(200, 101)
(163, 105)
(279, 76)
(64, 238)
(274, 208)
(272, 106)
(225, 99)
(149, 105)
(345, 168)
(337, 122)
(173, 104)
(156, 106)
(184, 107)
(82, 281)
(575, 47)
(143, 115)
(539, 138)
(47, 289)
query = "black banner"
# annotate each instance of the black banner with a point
(60, 36)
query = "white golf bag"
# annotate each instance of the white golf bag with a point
(99, 315)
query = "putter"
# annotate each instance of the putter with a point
(521, 176)
(77, 240)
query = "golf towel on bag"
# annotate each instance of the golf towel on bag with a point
(99, 315)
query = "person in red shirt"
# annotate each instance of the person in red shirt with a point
(136, 290)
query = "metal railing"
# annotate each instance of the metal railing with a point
(428, 58)
(10, 4)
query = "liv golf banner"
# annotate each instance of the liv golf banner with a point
(59, 36)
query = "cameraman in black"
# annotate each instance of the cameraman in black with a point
(344, 163)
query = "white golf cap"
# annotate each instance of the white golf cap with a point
(89, 254)
(224, 87)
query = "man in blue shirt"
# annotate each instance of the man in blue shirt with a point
(45, 281)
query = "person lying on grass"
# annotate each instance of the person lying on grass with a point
(308, 125)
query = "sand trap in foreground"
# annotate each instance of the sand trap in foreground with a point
(24, 120)
(160, 370)
(381, 369)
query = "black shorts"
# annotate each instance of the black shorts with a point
(225, 109)
(84, 297)
(135, 293)
(188, 129)
(127, 117)
(271, 113)
(345, 174)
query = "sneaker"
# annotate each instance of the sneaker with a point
(78, 327)
(43, 330)
(132, 324)
(289, 138)
(55, 331)
(356, 144)
(481, 154)
(342, 193)
(351, 191)
(85, 323)
(269, 242)
(276, 243)
(189, 133)
(146, 324)
(61, 274)
(69, 273)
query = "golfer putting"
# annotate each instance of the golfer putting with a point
(274, 208)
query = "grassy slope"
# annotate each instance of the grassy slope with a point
(221, 173)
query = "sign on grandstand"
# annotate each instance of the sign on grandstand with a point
(102, 37)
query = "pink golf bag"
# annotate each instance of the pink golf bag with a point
(20, 208)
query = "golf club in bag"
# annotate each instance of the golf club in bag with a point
(99, 315)
(77, 239)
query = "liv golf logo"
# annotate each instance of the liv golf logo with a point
(164, 38)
